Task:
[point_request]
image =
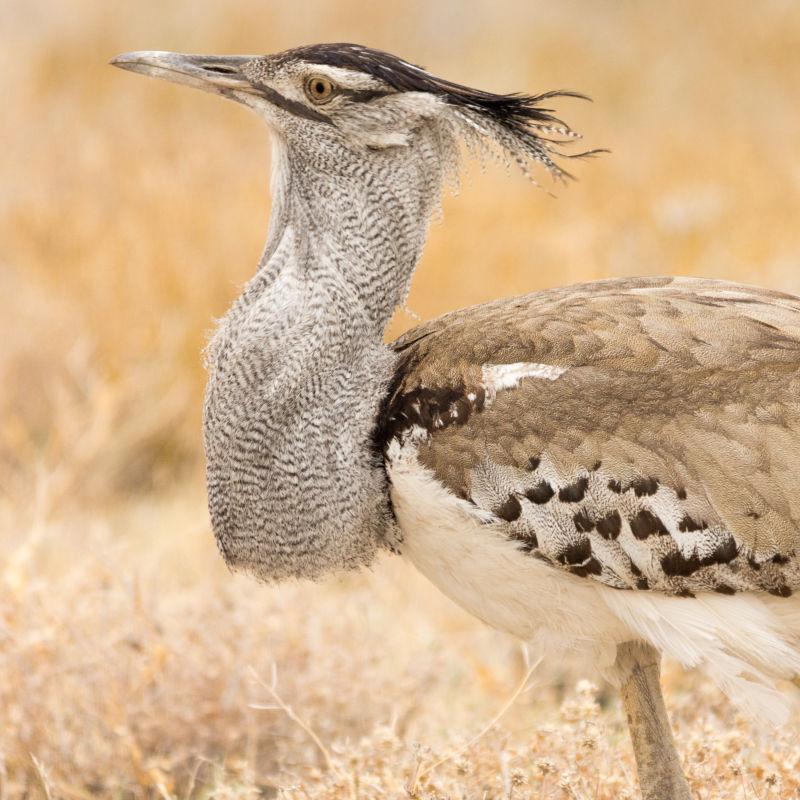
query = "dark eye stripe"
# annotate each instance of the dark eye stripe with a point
(363, 95)
(300, 110)
(292, 106)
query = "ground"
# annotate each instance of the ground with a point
(132, 663)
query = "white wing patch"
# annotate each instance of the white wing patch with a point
(497, 377)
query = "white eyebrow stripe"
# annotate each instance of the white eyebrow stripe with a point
(508, 376)
(347, 78)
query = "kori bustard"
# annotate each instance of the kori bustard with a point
(611, 467)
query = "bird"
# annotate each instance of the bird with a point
(609, 468)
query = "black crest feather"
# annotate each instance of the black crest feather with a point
(537, 131)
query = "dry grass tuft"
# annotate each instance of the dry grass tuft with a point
(130, 669)
(131, 663)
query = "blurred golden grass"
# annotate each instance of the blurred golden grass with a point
(132, 211)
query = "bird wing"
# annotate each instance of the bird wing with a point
(644, 433)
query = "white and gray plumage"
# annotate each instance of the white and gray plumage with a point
(612, 467)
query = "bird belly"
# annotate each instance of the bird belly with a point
(746, 642)
(461, 552)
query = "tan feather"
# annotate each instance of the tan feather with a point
(691, 384)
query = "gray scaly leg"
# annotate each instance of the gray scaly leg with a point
(657, 760)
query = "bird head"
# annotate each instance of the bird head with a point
(343, 103)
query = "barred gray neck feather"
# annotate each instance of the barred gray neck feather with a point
(298, 368)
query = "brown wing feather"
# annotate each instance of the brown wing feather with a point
(679, 411)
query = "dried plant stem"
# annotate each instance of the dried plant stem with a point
(43, 777)
(290, 713)
(420, 774)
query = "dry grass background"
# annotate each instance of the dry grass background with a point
(130, 660)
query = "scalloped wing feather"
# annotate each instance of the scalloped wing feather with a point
(662, 450)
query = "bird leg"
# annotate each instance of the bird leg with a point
(658, 764)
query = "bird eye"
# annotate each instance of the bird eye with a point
(318, 89)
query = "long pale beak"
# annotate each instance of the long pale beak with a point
(217, 74)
